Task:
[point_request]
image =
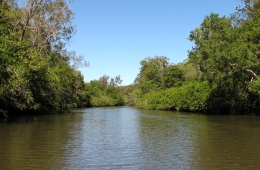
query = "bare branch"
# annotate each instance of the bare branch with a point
(30, 15)
(249, 12)
(255, 75)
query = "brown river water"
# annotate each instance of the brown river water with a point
(129, 138)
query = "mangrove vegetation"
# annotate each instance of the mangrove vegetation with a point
(226, 56)
(38, 74)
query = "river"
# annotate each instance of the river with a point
(129, 138)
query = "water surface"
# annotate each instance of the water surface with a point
(129, 138)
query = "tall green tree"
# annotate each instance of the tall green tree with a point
(227, 57)
(151, 72)
(156, 74)
(36, 70)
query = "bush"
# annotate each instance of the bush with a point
(189, 97)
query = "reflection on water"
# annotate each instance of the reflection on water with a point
(128, 138)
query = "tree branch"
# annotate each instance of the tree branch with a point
(255, 75)
(31, 12)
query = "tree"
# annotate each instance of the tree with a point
(172, 76)
(227, 57)
(151, 72)
(46, 23)
(104, 81)
(114, 93)
(35, 72)
(246, 12)
(18, 63)
(104, 92)
(76, 62)
(118, 80)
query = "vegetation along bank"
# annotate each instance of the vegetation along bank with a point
(38, 74)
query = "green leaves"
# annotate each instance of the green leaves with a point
(190, 97)
(34, 78)
(172, 76)
(157, 74)
(224, 55)
(104, 93)
(227, 58)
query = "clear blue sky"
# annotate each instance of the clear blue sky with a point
(115, 35)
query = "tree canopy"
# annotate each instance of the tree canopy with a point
(226, 54)
(36, 74)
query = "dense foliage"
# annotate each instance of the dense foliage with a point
(157, 74)
(189, 97)
(227, 58)
(35, 70)
(37, 73)
(104, 92)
